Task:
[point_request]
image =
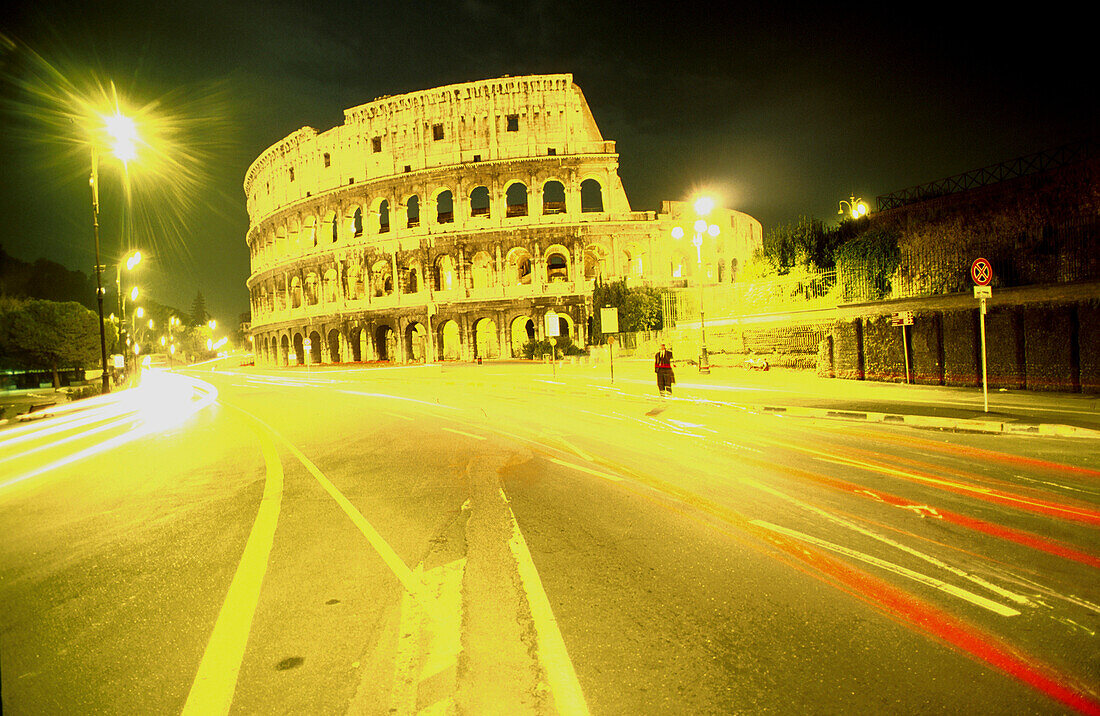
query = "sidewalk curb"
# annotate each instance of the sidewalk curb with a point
(928, 421)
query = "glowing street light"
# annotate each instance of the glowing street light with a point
(703, 206)
(123, 144)
(856, 207)
(131, 263)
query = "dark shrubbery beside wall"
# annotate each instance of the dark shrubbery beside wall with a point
(1044, 346)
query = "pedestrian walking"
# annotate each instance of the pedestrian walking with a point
(662, 366)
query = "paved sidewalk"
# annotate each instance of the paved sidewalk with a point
(803, 393)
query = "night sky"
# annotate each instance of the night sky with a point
(782, 110)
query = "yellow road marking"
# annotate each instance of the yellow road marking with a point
(212, 691)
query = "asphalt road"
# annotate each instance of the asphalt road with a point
(502, 539)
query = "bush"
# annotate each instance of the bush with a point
(541, 349)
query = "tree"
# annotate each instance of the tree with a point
(805, 243)
(47, 334)
(199, 314)
(639, 308)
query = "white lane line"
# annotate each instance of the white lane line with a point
(836, 519)
(469, 435)
(216, 680)
(560, 674)
(398, 397)
(582, 468)
(951, 589)
(404, 575)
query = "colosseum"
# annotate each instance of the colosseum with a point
(447, 223)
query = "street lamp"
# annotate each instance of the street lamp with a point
(123, 144)
(703, 206)
(856, 207)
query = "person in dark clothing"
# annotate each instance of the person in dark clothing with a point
(662, 366)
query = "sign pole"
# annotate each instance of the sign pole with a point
(609, 323)
(982, 273)
(905, 349)
(985, 377)
(611, 355)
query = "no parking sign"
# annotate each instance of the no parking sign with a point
(981, 271)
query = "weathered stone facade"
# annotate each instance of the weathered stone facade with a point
(449, 222)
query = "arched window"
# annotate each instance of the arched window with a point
(482, 270)
(380, 278)
(384, 216)
(444, 277)
(479, 201)
(444, 208)
(335, 229)
(357, 223)
(553, 198)
(557, 268)
(516, 200)
(591, 196)
(312, 289)
(412, 207)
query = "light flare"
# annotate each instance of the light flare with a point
(166, 145)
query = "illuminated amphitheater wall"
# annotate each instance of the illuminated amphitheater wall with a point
(447, 223)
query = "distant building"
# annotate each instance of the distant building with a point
(448, 222)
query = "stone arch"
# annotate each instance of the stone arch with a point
(354, 216)
(314, 347)
(355, 346)
(591, 196)
(382, 215)
(331, 286)
(412, 211)
(515, 199)
(309, 231)
(486, 342)
(334, 346)
(385, 342)
(444, 206)
(330, 227)
(299, 350)
(416, 342)
(480, 201)
(312, 288)
(520, 332)
(281, 244)
(519, 267)
(296, 292)
(481, 271)
(412, 276)
(294, 236)
(553, 197)
(381, 278)
(284, 350)
(633, 261)
(450, 340)
(354, 279)
(445, 273)
(557, 263)
(595, 261)
(566, 325)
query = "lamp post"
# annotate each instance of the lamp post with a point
(856, 207)
(703, 206)
(123, 137)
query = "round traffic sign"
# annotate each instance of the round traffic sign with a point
(981, 271)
